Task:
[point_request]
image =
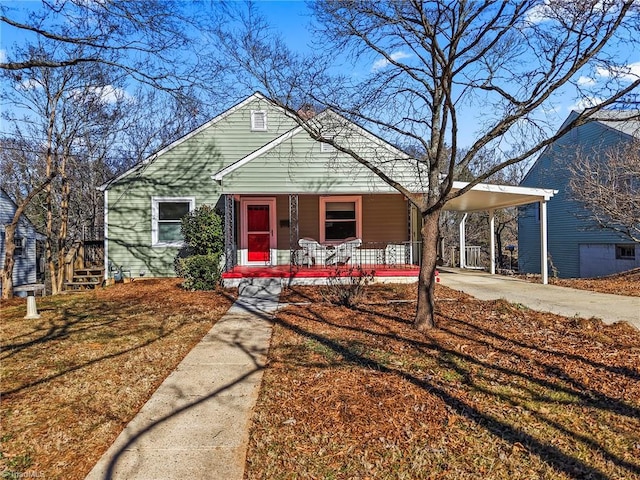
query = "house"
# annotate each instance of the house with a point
(27, 266)
(577, 247)
(275, 186)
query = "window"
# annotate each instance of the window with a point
(340, 218)
(625, 252)
(258, 120)
(166, 215)
(21, 245)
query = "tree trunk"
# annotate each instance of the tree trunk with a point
(53, 273)
(64, 223)
(425, 308)
(9, 260)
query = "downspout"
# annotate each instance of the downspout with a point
(463, 253)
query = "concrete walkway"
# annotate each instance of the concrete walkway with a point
(549, 298)
(196, 424)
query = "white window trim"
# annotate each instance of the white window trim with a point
(22, 246)
(357, 199)
(155, 217)
(254, 128)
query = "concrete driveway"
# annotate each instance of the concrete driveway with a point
(564, 301)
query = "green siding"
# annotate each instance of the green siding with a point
(567, 227)
(182, 171)
(296, 165)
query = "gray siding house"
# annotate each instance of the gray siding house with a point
(577, 248)
(26, 263)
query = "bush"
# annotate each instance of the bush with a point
(200, 272)
(202, 231)
(346, 286)
(199, 261)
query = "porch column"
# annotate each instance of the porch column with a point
(463, 246)
(294, 233)
(544, 269)
(229, 233)
(492, 242)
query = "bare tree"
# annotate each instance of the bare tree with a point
(433, 60)
(150, 41)
(67, 110)
(78, 59)
(607, 183)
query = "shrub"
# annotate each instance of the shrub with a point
(346, 286)
(200, 272)
(202, 231)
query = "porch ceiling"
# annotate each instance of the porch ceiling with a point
(486, 196)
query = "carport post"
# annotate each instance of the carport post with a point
(543, 243)
(463, 246)
(492, 242)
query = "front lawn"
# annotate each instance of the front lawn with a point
(497, 392)
(73, 379)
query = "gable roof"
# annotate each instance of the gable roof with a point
(24, 222)
(617, 120)
(213, 121)
(357, 129)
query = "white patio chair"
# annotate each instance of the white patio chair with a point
(345, 251)
(314, 252)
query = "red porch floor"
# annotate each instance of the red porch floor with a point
(285, 271)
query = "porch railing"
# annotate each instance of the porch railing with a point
(369, 254)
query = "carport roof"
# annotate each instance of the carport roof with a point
(485, 196)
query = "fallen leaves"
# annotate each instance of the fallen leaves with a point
(495, 392)
(72, 379)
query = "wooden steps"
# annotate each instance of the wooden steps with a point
(86, 278)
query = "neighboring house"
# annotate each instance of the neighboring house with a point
(577, 247)
(26, 268)
(275, 185)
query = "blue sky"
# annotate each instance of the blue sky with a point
(291, 19)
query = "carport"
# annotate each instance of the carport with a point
(486, 197)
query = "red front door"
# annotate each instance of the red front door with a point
(258, 233)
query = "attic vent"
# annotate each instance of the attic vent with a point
(258, 120)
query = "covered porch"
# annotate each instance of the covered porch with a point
(312, 236)
(305, 238)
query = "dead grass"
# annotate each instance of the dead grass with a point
(497, 392)
(625, 283)
(74, 378)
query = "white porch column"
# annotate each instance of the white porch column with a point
(543, 243)
(492, 242)
(463, 246)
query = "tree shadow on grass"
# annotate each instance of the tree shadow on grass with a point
(561, 461)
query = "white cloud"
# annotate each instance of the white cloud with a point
(106, 94)
(383, 62)
(30, 84)
(539, 13)
(585, 102)
(586, 81)
(3, 55)
(627, 73)
(557, 9)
